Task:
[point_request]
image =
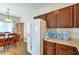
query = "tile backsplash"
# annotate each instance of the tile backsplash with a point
(73, 32)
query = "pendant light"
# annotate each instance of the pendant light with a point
(8, 17)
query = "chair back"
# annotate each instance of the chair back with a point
(2, 37)
(12, 36)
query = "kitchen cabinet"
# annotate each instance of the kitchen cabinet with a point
(49, 48)
(65, 18)
(62, 49)
(63, 52)
(52, 48)
(44, 47)
(76, 15)
(62, 18)
(52, 19)
(43, 17)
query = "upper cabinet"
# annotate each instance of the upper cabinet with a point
(76, 15)
(65, 17)
(52, 19)
(43, 17)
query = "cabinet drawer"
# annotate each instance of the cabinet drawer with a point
(64, 52)
(50, 43)
(65, 47)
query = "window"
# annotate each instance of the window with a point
(5, 27)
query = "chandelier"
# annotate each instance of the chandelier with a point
(8, 16)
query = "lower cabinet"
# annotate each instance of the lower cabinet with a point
(44, 47)
(63, 52)
(62, 49)
(51, 48)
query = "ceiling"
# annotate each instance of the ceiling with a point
(18, 9)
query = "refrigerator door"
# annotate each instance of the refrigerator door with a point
(28, 35)
(38, 31)
(35, 38)
(43, 30)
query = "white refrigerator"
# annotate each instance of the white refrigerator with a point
(38, 34)
(29, 37)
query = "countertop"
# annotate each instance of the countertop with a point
(72, 42)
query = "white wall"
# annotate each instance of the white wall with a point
(22, 10)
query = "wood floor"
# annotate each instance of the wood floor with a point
(21, 49)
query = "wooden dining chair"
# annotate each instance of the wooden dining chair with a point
(3, 41)
(12, 39)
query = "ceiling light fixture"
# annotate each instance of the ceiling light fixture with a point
(8, 17)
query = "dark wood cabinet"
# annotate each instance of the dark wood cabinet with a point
(49, 48)
(43, 17)
(65, 17)
(52, 48)
(62, 49)
(44, 47)
(52, 19)
(62, 18)
(76, 15)
(63, 52)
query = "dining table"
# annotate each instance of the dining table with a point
(6, 37)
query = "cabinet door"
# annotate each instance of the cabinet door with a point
(43, 17)
(44, 47)
(76, 15)
(65, 17)
(65, 50)
(49, 48)
(52, 20)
